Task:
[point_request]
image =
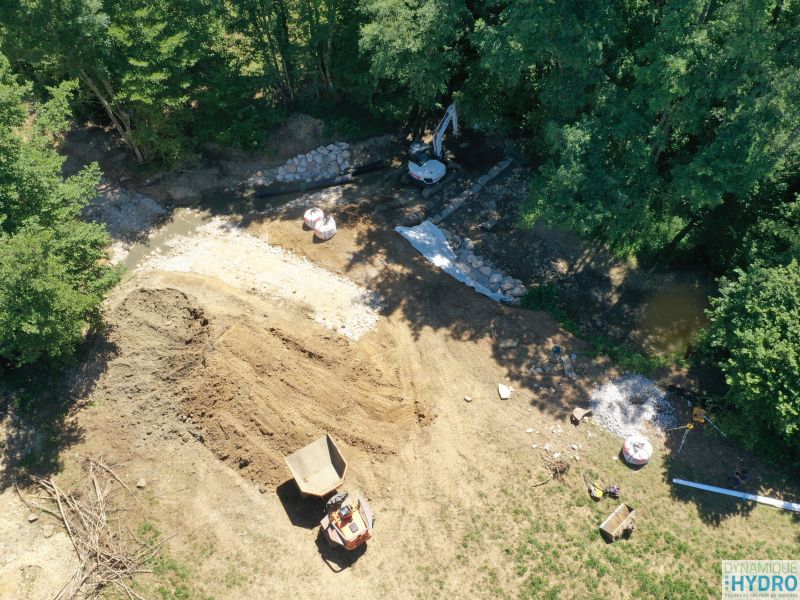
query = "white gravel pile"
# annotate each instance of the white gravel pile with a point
(624, 405)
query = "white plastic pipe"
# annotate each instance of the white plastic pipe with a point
(793, 506)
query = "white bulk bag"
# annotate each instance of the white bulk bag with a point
(326, 228)
(637, 450)
(313, 216)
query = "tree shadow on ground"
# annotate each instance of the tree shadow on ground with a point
(38, 405)
(709, 458)
(424, 297)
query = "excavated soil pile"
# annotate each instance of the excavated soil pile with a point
(254, 385)
(158, 338)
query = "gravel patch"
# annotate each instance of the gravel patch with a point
(624, 405)
(128, 216)
(221, 249)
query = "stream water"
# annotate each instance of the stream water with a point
(672, 316)
(183, 221)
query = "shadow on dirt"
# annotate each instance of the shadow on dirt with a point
(36, 409)
(338, 559)
(302, 512)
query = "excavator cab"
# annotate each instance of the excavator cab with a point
(425, 164)
(419, 152)
(422, 167)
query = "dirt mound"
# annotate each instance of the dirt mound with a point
(299, 133)
(254, 385)
(160, 337)
(266, 392)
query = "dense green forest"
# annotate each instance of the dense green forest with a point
(666, 130)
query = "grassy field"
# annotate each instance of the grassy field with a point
(552, 549)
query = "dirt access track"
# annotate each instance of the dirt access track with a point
(211, 371)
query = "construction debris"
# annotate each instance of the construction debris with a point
(569, 369)
(109, 554)
(504, 391)
(595, 489)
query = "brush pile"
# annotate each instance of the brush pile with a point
(109, 554)
(558, 467)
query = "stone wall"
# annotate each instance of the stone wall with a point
(323, 162)
(481, 270)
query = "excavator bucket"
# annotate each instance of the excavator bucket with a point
(319, 468)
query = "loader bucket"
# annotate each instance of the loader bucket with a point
(318, 468)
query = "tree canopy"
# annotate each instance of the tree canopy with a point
(52, 277)
(755, 337)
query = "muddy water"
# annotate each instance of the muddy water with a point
(184, 221)
(671, 317)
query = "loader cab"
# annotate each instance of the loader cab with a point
(423, 168)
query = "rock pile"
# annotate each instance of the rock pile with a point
(323, 162)
(481, 270)
(125, 213)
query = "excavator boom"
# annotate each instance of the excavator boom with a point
(450, 116)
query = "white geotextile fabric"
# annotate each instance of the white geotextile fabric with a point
(429, 240)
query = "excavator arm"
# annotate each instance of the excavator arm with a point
(450, 117)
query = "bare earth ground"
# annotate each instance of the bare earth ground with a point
(205, 380)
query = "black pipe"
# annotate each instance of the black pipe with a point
(305, 186)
